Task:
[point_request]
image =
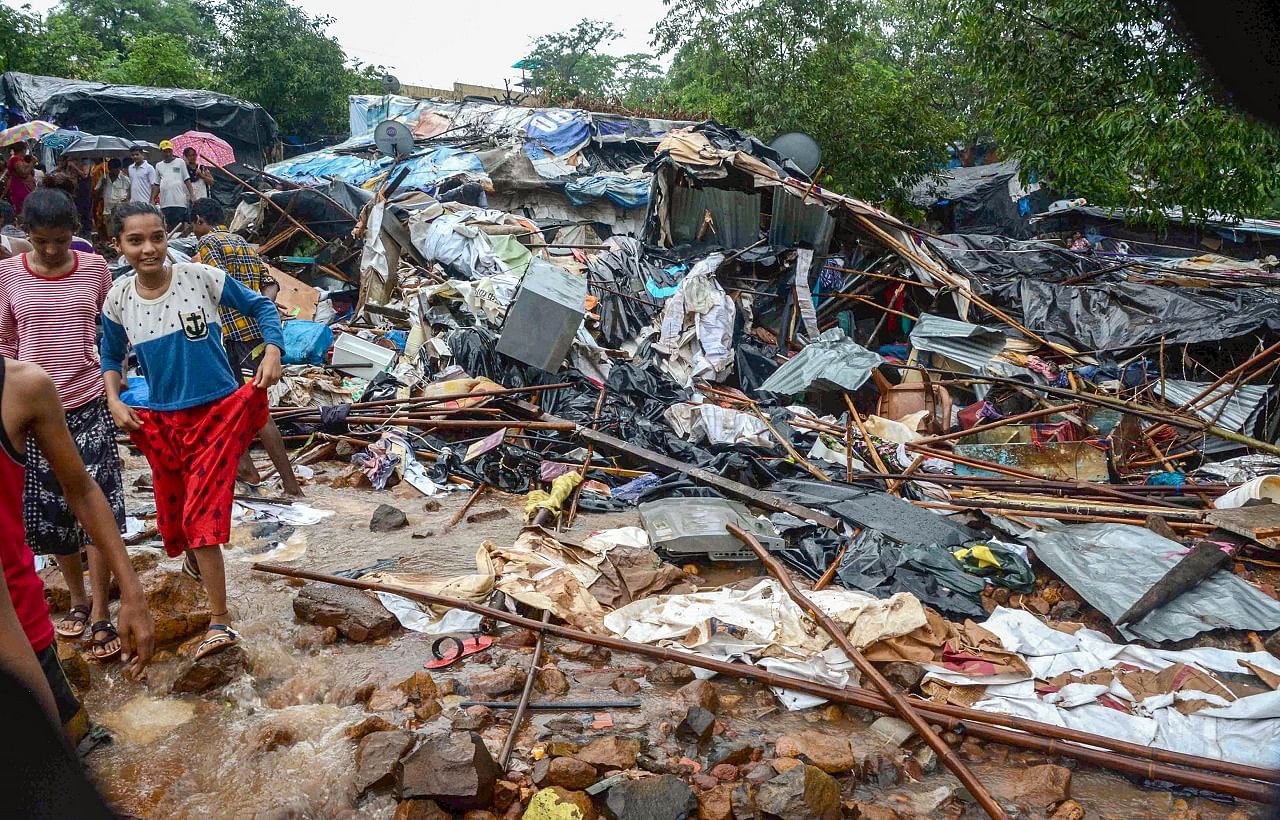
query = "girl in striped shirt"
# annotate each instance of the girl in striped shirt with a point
(50, 299)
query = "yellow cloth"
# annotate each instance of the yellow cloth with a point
(561, 488)
(981, 553)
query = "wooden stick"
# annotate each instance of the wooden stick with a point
(866, 437)
(899, 703)
(586, 462)
(791, 451)
(1034, 414)
(475, 494)
(504, 757)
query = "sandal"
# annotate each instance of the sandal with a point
(79, 618)
(189, 565)
(217, 643)
(97, 644)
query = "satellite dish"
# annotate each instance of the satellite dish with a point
(390, 85)
(394, 139)
(800, 149)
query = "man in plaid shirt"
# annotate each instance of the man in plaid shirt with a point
(240, 334)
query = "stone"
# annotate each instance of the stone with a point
(665, 797)
(610, 752)
(329, 636)
(552, 801)
(785, 764)
(716, 803)
(761, 773)
(520, 639)
(724, 772)
(1069, 810)
(504, 794)
(744, 802)
(1065, 611)
(585, 652)
(724, 750)
(626, 686)
(551, 681)
(212, 671)
(829, 753)
(74, 666)
(356, 616)
(670, 672)
(368, 726)
(894, 730)
(273, 736)
(697, 726)
(1036, 788)
(502, 681)
(700, 693)
(472, 719)
(387, 700)
(804, 793)
(495, 514)
(870, 811)
(904, 675)
(387, 518)
(420, 687)
(569, 772)
(456, 771)
(177, 604)
(704, 782)
(1272, 643)
(378, 759)
(420, 810)
(431, 505)
(479, 814)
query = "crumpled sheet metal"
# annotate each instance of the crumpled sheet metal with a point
(833, 360)
(1241, 403)
(971, 345)
(1245, 730)
(1112, 565)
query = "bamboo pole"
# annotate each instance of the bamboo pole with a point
(866, 437)
(1007, 420)
(868, 671)
(1132, 758)
(791, 451)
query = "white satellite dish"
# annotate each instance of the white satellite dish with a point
(801, 149)
(394, 139)
(390, 84)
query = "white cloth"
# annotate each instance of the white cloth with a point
(114, 192)
(141, 178)
(173, 183)
(199, 188)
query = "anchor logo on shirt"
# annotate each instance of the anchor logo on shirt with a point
(194, 325)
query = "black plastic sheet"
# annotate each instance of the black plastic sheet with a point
(618, 279)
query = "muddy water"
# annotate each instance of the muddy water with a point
(272, 745)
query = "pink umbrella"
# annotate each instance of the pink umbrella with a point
(209, 148)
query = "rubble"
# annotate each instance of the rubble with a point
(378, 758)
(1037, 788)
(456, 771)
(356, 616)
(800, 793)
(652, 798)
(212, 671)
(387, 518)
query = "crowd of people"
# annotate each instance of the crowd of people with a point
(209, 343)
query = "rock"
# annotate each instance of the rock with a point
(588, 653)
(355, 615)
(504, 794)
(704, 782)
(904, 675)
(520, 639)
(827, 752)
(74, 666)
(744, 802)
(456, 771)
(368, 726)
(1069, 810)
(785, 764)
(420, 687)
(473, 719)
(329, 636)
(670, 672)
(378, 759)
(495, 514)
(479, 814)
(177, 604)
(431, 505)
(724, 772)
(717, 803)
(870, 811)
(626, 686)
(723, 750)
(551, 802)
(761, 773)
(894, 730)
(700, 693)
(803, 793)
(212, 671)
(610, 752)
(571, 773)
(697, 725)
(273, 736)
(1272, 643)
(420, 810)
(387, 518)
(1036, 788)
(652, 798)
(551, 681)
(502, 681)
(1065, 611)
(387, 700)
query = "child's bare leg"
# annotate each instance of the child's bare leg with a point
(100, 583)
(213, 576)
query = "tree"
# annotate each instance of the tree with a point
(20, 30)
(639, 81)
(157, 60)
(1105, 99)
(277, 55)
(570, 64)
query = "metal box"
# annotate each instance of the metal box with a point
(695, 528)
(544, 316)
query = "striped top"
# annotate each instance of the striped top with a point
(54, 323)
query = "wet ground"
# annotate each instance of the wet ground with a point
(272, 744)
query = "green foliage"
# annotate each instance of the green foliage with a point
(1105, 99)
(19, 37)
(157, 60)
(571, 65)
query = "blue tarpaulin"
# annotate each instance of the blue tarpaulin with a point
(624, 191)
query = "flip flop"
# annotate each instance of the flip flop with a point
(79, 615)
(462, 648)
(217, 643)
(98, 643)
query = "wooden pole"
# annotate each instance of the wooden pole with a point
(1034, 414)
(866, 437)
(586, 462)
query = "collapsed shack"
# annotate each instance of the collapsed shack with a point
(997, 463)
(987, 199)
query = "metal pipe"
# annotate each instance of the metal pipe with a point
(868, 671)
(1132, 758)
(505, 756)
(556, 706)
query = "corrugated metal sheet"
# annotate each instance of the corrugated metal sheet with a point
(1239, 410)
(794, 224)
(970, 345)
(736, 215)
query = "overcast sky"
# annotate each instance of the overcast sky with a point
(475, 41)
